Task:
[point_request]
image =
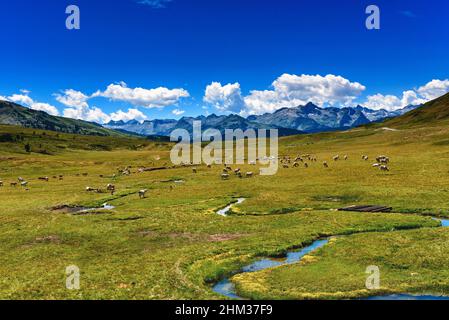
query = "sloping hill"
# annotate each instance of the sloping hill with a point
(434, 111)
(14, 114)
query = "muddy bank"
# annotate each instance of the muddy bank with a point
(79, 210)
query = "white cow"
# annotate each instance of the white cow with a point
(142, 193)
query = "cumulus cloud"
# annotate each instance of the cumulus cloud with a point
(24, 99)
(48, 108)
(95, 114)
(224, 98)
(72, 98)
(425, 93)
(78, 102)
(380, 101)
(132, 114)
(289, 90)
(87, 113)
(410, 97)
(259, 102)
(78, 108)
(434, 89)
(148, 98)
(178, 112)
(329, 89)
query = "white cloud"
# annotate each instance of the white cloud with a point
(434, 89)
(25, 100)
(132, 114)
(224, 98)
(329, 89)
(79, 107)
(48, 108)
(410, 97)
(2, 98)
(72, 98)
(288, 91)
(148, 98)
(380, 101)
(178, 112)
(429, 91)
(21, 99)
(87, 113)
(259, 102)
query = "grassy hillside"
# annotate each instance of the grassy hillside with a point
(432, 113)
(13, 139)
(14, 114)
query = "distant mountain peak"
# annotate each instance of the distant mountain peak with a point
(115, 123)
(310, 104)
(310, 107)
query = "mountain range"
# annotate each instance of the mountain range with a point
(302, 119)
(308, 118)
(165, 127)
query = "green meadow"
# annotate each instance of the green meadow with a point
(173, 245)
(412, 261)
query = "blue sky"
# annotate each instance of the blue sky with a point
(158, 57)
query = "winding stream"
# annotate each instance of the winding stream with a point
(226, 288)
(224, 212)
(444, 222)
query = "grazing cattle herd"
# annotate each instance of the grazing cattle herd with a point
(382, 163)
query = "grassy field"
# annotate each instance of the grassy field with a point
(172, 245)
